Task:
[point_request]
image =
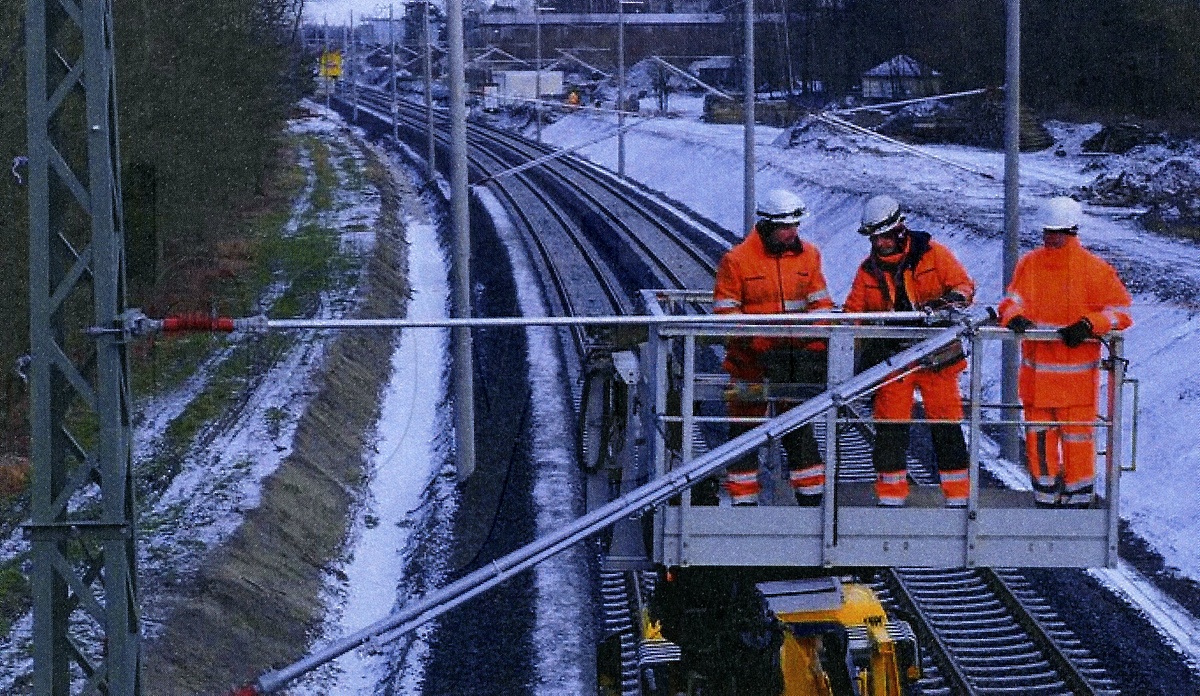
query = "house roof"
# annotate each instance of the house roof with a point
(901, 66)
(711, 63)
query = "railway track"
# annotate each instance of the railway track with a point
(598, 242)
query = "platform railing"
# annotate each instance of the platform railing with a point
(675, 348)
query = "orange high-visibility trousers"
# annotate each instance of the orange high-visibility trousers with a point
(1068, 451)
(806, 471)
(894, 402)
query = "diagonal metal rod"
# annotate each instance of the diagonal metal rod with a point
(906, 102)
(557, 154)
(842, 123)
(642, 498)
(692, 78)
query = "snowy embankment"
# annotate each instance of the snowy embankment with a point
(201, 558)
(700, 165)
(407, 474)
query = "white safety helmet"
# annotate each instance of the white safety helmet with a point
(1061, 214)
(781, 207)
(880, 214)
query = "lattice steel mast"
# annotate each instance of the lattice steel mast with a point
(85, 597)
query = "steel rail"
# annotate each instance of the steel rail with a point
(983, 639)
(518, 195)
(534, 188)
(1039, 633)
(948, 669)
(577, 194)
(585, 187)
(531, 154)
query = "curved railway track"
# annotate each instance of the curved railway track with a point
(598, 242)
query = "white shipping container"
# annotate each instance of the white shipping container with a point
(513, 86)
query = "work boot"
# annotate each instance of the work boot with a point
(808, 500)
(706, 493)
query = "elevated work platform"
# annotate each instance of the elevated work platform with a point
(672, 410)
(1007, 531)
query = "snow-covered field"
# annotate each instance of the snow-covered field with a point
(700, 165)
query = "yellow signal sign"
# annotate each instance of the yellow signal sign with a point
(331, 64)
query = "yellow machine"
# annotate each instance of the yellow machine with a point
(734, 636)
(837, 640)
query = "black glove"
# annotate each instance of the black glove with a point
(1019, 324)
(950, 298)
(1076, 333)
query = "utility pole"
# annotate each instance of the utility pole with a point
(432, 156)
(353, 76)
(83, 516)
(1010, 352)
(748, 134)
(621, 88)
(537, 68)
(464, 376)
(329, 81)
(787, 49)
(392, 70)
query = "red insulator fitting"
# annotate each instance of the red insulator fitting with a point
(197, 322)
(247, 690)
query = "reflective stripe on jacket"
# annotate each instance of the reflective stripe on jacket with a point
(928, 271)
(752, 281)
(1055, 288)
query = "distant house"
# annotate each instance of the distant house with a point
(716, 70)
(901, 78)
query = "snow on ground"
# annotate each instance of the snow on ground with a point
(205, 503)
(408, 458)
(700, 165)
(221, 479)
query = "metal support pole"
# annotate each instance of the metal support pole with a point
(82, 516)
(970, 553)
(1010, 445)
(392, 71)
(1114, 445)
(687, 404)
(621, 88)
(432, 156)
(464, 376)
(329, 81)
(537, 69)
(353, 71)
(748, 107)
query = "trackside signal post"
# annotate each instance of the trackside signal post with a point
(83, 511)
(331, 68)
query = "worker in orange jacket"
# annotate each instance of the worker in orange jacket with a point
(905, 271)
(773, 271)
(1065, 287)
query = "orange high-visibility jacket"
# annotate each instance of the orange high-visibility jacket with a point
(1054, 288)
(928, 269)
(752, 281)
